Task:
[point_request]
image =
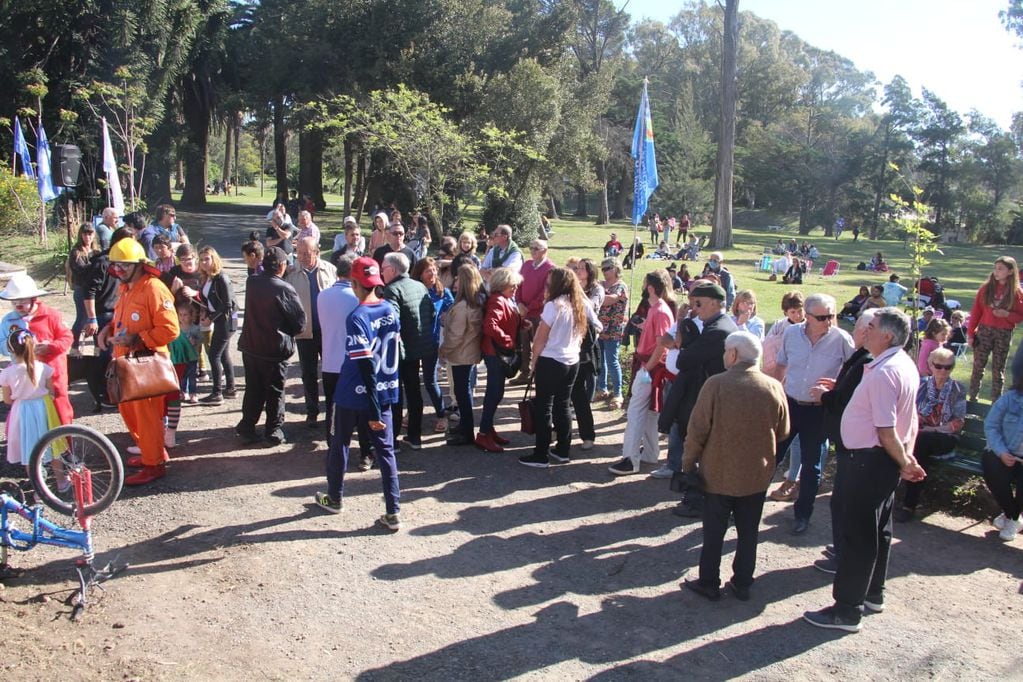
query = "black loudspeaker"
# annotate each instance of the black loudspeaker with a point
(67, 162)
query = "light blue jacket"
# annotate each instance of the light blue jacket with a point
(1004, 424)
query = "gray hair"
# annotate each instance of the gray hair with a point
(746, 344)
(109, 210)
(344, 265)
(819, 301)
(865, 317)
(893, 321)
(540, 244)
(398, 261)
(504, 230)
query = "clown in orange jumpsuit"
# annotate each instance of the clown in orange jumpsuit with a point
(143, 317)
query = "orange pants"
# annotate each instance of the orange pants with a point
(144, 419)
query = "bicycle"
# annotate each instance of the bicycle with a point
(75, 471)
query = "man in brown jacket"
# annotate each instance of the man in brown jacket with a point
(738, 419)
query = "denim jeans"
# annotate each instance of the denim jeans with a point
(461, 378)
(610, 376)
(494, 393)
(221, 367)
(78, 294)
(675, 448)
(432, 385)
(808, 426)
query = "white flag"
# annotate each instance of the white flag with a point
(110, 169)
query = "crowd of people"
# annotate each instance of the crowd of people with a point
(380, 322)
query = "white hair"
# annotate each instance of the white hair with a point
(819, 301)
(398, 261)
(865, 317)
(746, 344)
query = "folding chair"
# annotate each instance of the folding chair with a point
(830, 269)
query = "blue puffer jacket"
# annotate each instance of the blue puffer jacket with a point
(1004, 424)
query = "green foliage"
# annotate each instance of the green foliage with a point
(19, 204)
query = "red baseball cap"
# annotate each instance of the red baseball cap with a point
(366, 272)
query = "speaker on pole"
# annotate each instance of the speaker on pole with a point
(67, 162)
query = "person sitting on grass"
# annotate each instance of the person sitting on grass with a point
(893, 291)
(852, 307)
(876, 299)
(794, 275)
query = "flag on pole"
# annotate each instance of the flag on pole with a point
(21, 150)
(646, 160)
(43, 178)
(110, 169)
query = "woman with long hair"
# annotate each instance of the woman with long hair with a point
(612, 318)
(501, 321)
(1003, 460)
(461, 347)
(425, 271)
(218, 306)
(744, 313)
(79, 267)
(381, 225)
(590, 358)
(996, 310)
(554, 364)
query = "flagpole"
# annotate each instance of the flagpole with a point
(645, 175)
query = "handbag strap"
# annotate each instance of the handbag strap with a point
(529, 385)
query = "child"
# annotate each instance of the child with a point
(27, 386)
(252, 252)
(188, 323)
(184, 356)
(934, 336)
(957, 335)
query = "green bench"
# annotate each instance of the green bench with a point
(972, 441)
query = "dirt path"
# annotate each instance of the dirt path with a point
(501, 571)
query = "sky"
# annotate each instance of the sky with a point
(957, 49)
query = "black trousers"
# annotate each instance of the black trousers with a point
(411, 399)
(716, 510)
(461, 382)
(582, 398)
(264, 389)
(309, 351)
(928, 444)
(866, 487)
(221, 367)
(553, 382)
(1000, 480)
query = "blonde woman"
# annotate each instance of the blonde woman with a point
(744, 313)
(218, 304)
(461, 347)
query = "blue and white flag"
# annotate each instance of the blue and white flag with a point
(646, 161)
(110, 169)
(43, 178)
(21, 150)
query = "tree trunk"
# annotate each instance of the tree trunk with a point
(361, 182)
(196, 113)
(229, 142)
(721, 232)
(580, 205)
(156, 184)
(237, 146)
(310, 166)
(280, 149)
(553, 211)
(603, 214)
(621, 197)
(881, 183)
(348, 174)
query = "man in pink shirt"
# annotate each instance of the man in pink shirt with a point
(529, 298)
(879, 428)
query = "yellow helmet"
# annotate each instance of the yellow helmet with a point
(127, 250)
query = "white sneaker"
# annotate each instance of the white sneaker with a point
(134, 450)
(587, 445)
(662, 472)
(1008, 533)
(170, 439)
(999, 521)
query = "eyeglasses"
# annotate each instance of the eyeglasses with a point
(398, 234)
(944, 367)
(824, 318)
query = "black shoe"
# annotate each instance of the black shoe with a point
(311, 421)
(800, 526)
(555, 458)
(247, 435)
(902, 514)
(829, 619)
(829, 552)
(231, 393)
(537, 461)
(873, 604)
(458, 440)
(365, 461)
(826, 566)
(741, 593)
(212, 399)
(686, 511)
(705, 591)
(275, 438)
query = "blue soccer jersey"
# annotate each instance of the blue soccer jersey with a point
(374, 333)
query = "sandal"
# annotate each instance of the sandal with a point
(786, 492)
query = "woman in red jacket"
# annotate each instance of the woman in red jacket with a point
(501, 322)
(996, 310)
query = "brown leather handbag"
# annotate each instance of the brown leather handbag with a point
(139, 375)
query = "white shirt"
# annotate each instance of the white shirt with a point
(334, 305)
(563, 343)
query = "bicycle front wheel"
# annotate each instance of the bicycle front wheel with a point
(75, 450)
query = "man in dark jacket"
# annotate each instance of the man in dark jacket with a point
(273, 317)
(415, 308)
(703, 357)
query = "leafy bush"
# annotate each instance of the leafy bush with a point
(19, 204)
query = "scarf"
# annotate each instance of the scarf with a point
(932, 399)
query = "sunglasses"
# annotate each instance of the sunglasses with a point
(945, 367)
(823, 318)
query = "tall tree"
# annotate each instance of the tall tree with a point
(938, 137)
(721, 232)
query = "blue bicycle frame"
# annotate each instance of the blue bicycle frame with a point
(43, 532)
